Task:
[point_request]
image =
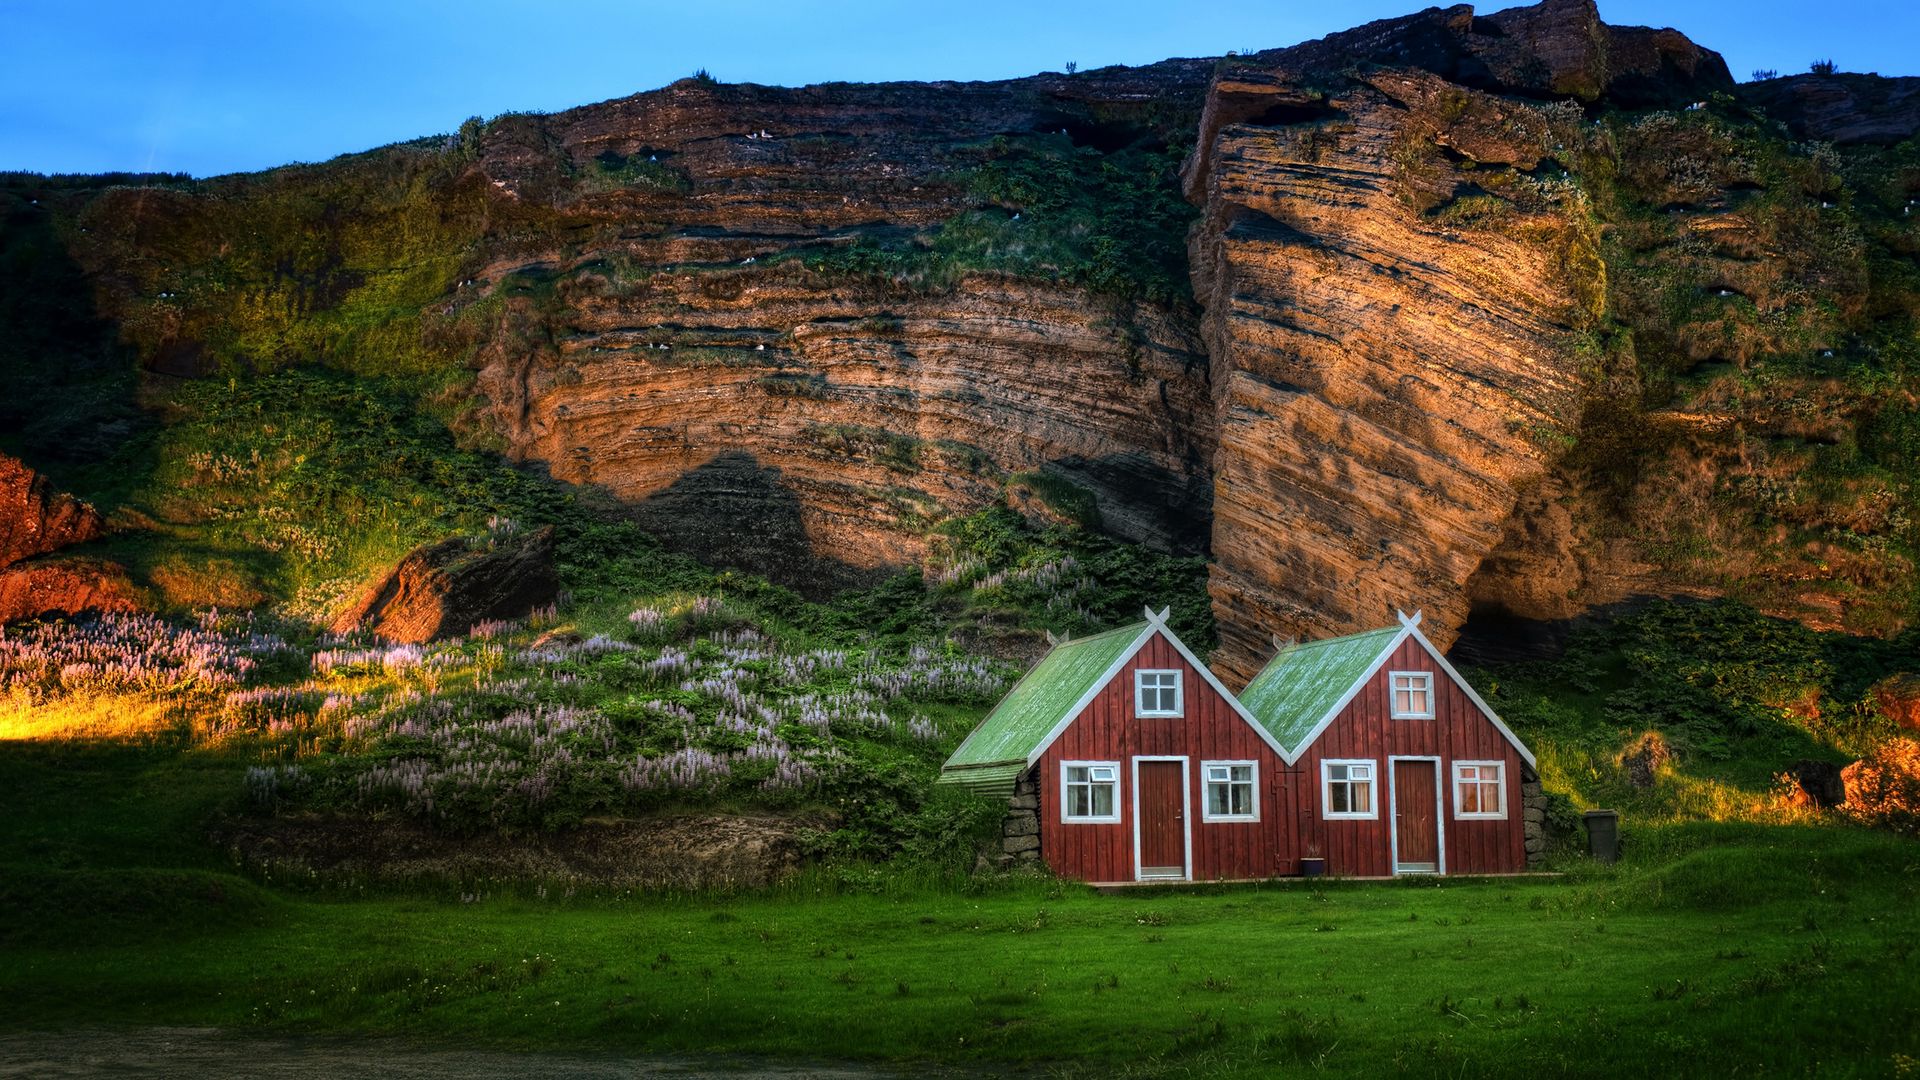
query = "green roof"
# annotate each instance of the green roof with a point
(1038, 702)
(1297, 689)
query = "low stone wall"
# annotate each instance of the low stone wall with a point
(1020, 831)
(1533, 807)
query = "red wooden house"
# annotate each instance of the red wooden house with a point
(1125, 759)
(1402, 767)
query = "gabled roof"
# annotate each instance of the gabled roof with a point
(1046, 695)
(1301, 690)
(1044, 703)
(1306, 683)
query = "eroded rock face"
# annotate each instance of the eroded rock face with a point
(1842, 108)
(1383, 379)
(36, 519)
(813, 429)
(808, 422)
(441, 590)
(1392, 278)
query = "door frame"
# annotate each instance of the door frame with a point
(1186, 815)
(1439, 813)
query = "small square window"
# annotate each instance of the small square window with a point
(1156, 693)
(1347, 789)
(1479, 790)
(1090, 791)
(1231, 791)
(1412, 695)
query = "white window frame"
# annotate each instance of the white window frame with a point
(1207, 782)
(1393, 694)
(1327, 812)
(1500, 785)
(1067, 816)
(1179, 693)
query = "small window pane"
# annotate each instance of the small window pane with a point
(1092, 791)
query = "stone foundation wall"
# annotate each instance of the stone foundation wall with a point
(1533, 803)
(1020, 831)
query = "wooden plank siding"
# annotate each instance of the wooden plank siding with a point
(1459, 731)
(1210, 730)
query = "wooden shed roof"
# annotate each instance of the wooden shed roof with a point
(1304, 683)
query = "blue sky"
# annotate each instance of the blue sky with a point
(212, 86)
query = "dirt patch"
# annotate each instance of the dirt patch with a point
(204, 1052)
(676, 852)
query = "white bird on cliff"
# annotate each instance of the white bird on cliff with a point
(765, 134)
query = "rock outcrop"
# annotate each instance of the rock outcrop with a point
(708, 354)
(65, 585)
(1392, 275)
(1842, 108)
(442, 590)
(1898, 698)
(790, 329)
(35, 519)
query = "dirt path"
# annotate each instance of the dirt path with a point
(211, 1054)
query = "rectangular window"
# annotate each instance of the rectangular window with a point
(1412, 694)
(1156, 693)
(1090, 791)
(1346, 789)
(1231, 791)
(1478, 790)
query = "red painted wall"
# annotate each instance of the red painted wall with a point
(1458, 731)
(1107, 730)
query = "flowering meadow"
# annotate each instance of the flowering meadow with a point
(523, 724)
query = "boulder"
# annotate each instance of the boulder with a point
(1820, 781)
(1898, 697)
(441, 590)
(36, 519)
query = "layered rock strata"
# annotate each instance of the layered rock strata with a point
(694, 358)
(1392, 271)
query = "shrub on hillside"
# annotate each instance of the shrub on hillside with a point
(1883, 788)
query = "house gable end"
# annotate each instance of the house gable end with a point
(1479, 702)
(1157, 625)
(1410, 628)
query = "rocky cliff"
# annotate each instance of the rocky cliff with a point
(1507, 314)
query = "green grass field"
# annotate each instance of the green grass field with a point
(1714, 949)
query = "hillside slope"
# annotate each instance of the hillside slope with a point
(1511, 315)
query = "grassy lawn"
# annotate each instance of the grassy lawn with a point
(1716, 948)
